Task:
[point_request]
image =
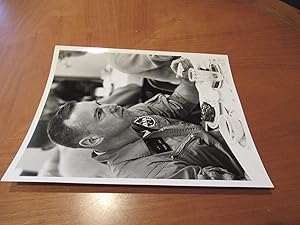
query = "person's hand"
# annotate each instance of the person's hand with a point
(181, 67)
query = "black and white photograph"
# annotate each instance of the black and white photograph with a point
(139, 117)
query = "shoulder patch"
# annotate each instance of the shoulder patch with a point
(146, 121)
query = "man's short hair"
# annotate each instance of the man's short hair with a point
(62, 134)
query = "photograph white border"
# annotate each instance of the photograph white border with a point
(250, 161)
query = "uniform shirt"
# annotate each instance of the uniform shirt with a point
(180, 157)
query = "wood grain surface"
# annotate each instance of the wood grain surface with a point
(264, 53)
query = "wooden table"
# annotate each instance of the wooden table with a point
(264, 52)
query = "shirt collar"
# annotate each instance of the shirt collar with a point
(135, 150)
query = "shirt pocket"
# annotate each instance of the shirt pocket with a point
(183, 146)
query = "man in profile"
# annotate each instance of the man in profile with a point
(148, 140)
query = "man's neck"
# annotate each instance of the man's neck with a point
(119, 141)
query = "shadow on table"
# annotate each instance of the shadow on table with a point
(96, 188)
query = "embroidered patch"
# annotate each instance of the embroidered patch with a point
(145, 121)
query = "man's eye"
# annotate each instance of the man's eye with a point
(99, 113)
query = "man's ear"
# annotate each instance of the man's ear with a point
(90, 141)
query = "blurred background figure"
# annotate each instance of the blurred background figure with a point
(155, 67)
(68, 162)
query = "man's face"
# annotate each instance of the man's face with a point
(105, 120)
